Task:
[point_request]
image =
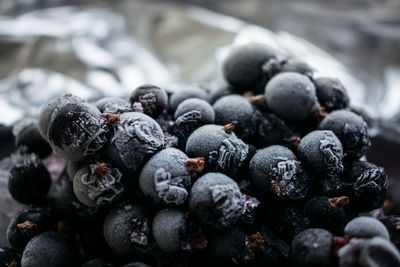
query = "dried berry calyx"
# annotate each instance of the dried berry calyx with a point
(294, 141)
(27, 228)
(101, 171)
(228, 128)
(255, 240)
(195, 165)
(319, 113)
(110, 118)
(259, 100)
(339, 202)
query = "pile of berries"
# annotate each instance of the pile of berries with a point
(266, 171)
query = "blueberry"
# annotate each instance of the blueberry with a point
(219, 146)
(366, 227)
(29, 180)
(96, 263)
(249, 67)
(135, 138)
(73, 167)
(48, 108)
(127, 230)
(166, 177)
(49, 249)
(376, 251)
(114, 105)
(27, 225)
(9, 257)
(152, 99)
(190, 115)
(392, 224)
(98, 184)
(76, 130)
(312, 247)
(238, 110)
(216, 200)
(27, 135)
(185, 93)
(291, 96)
(351, 130)
(327, 213)
(220, 92)
(136, 264)
(368, 185)
(322, 153)
(298, 66)
(331, 93)
(275, 170)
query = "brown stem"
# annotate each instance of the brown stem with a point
(294, 141)
(319, 113)
(195, 165)
(27, 228)
(259, 100)
(228, 128)
(339, 202)
(255, 240)
(101, 171)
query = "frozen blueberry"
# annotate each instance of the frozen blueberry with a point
(331, 94)
(392, 224)
(9, 257)
(275, 170)
(184, 93)
(49, 249)
(96, 263)
(291, 96)
(376, 251)
(249, 67)
(27, 135)
(114, 105)
(322, 153)
(327, 213)
(219, 146)
(152, 99)
(366, 227)
(351, 130)
(135, 138)
(127, 230)
(298, 66)
(312, 247)
(73, 167)
(166, 177)
(238, 110)
(48, 108)
(190, 115)
(220, 92)
(76, 130)
(98, 184)
(29, 180)
(368, 185)
(27, 225)
(216, 200)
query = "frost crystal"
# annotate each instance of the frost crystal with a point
(229, 202)
(332, 156)
(187, 123)
(370, 179)
(148, 102)
(171, 189)
(140, 231)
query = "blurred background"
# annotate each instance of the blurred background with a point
(108, 48)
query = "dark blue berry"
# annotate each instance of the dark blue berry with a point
(153, 100)
(96, 263)
(332, 95)
(186, 92)
(366, 227)
(298, 66)
(9, 257)
(392, 224)
(114, 105)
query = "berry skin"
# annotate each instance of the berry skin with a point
(49, 249)
(135, 138)
(152, 99)
(238, 110)
(29, 180)
(47, 110)
(165, 177)
(327, 213)
(76, 130)
(368, 186)
(27, 135)
(96, 263)
(392, 224)
(351, 130)
(291, 96)
(27, 225)
(248, 67)
(366, 227)
(322, 153)
(185, 93)
(9, 257)
(216, 200)
(275, 170)
(375, 251)
(294, 65)
(219, 146)
(113, 105)
(98, 184)
(127, 230)
(190, 115)
(312, 247)
(331, 94)
(136, 264)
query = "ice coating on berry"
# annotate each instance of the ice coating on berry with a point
(152, 100)
(139, 231)
(187, 123)
(295, 65)
(332, 95)
(216, 200)
(135, 138)
(222, 151)
(165, 177)
(322, 152)
(366, 227)
(76, 130)
(184, 93)
(113, 105)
